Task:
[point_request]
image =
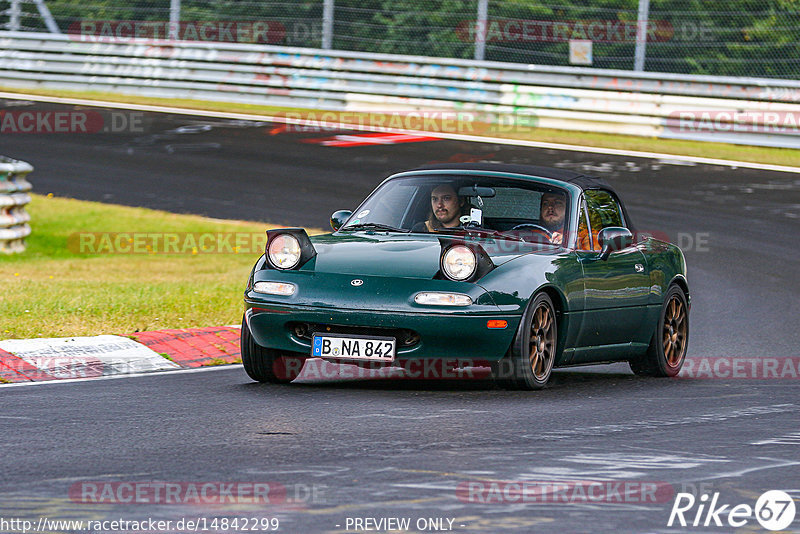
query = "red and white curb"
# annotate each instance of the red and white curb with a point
(77, 358)
(46, 359)
(370, 139)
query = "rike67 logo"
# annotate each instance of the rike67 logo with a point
(774, 510)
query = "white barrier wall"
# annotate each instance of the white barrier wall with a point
(14, 219)
(752, 111)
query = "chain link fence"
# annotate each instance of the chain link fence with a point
(759, 38)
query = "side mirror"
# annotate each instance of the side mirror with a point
(612, 239)
(339, 218)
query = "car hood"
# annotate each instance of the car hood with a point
(400, 255)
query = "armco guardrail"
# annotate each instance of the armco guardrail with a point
(13, 198)
(734, 110)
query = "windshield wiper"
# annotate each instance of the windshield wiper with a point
(375, 226)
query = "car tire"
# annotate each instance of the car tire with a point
(670, 341)
(266, 365)
(529, 362)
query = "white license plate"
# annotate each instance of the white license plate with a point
(347, 347)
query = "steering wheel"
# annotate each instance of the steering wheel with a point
(538, 227)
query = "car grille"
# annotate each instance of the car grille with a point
(404, 336)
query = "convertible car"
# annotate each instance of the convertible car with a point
(522, 268)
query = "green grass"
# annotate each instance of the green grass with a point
(55, 290)
(776, 156)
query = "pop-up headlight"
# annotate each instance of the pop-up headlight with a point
(288, 248)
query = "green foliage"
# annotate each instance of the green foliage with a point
(738, 37)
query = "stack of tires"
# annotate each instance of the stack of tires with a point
(14, 196)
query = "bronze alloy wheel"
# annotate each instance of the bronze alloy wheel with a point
(533, 353)
(668, 347)
(541, 353)
(674, 332)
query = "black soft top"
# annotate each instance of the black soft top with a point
(581, 180)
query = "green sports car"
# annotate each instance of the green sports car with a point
(519, 268)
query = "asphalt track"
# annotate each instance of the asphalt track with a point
(401, 448)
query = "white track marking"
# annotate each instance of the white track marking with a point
(133, 375)
(87, 356)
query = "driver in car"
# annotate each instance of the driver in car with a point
(446, 210)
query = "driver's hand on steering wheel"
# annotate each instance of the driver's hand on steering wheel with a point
(556, 238)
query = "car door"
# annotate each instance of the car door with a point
(616, 289)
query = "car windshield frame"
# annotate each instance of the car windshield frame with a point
(425, 182)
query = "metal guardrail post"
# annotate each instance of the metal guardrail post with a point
(327, 24)
(480, 29)
(14, 219)
(47, 17)
(642, 26)
(14, 14)
(174, 18)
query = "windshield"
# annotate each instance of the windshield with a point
(456, 204)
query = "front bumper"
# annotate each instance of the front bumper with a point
(440, 335)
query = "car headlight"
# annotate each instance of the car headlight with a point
(443, 299)
(459, 263)
(274, 288)
(284, 251)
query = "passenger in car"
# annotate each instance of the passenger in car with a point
(446, 209)
(552, 211)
